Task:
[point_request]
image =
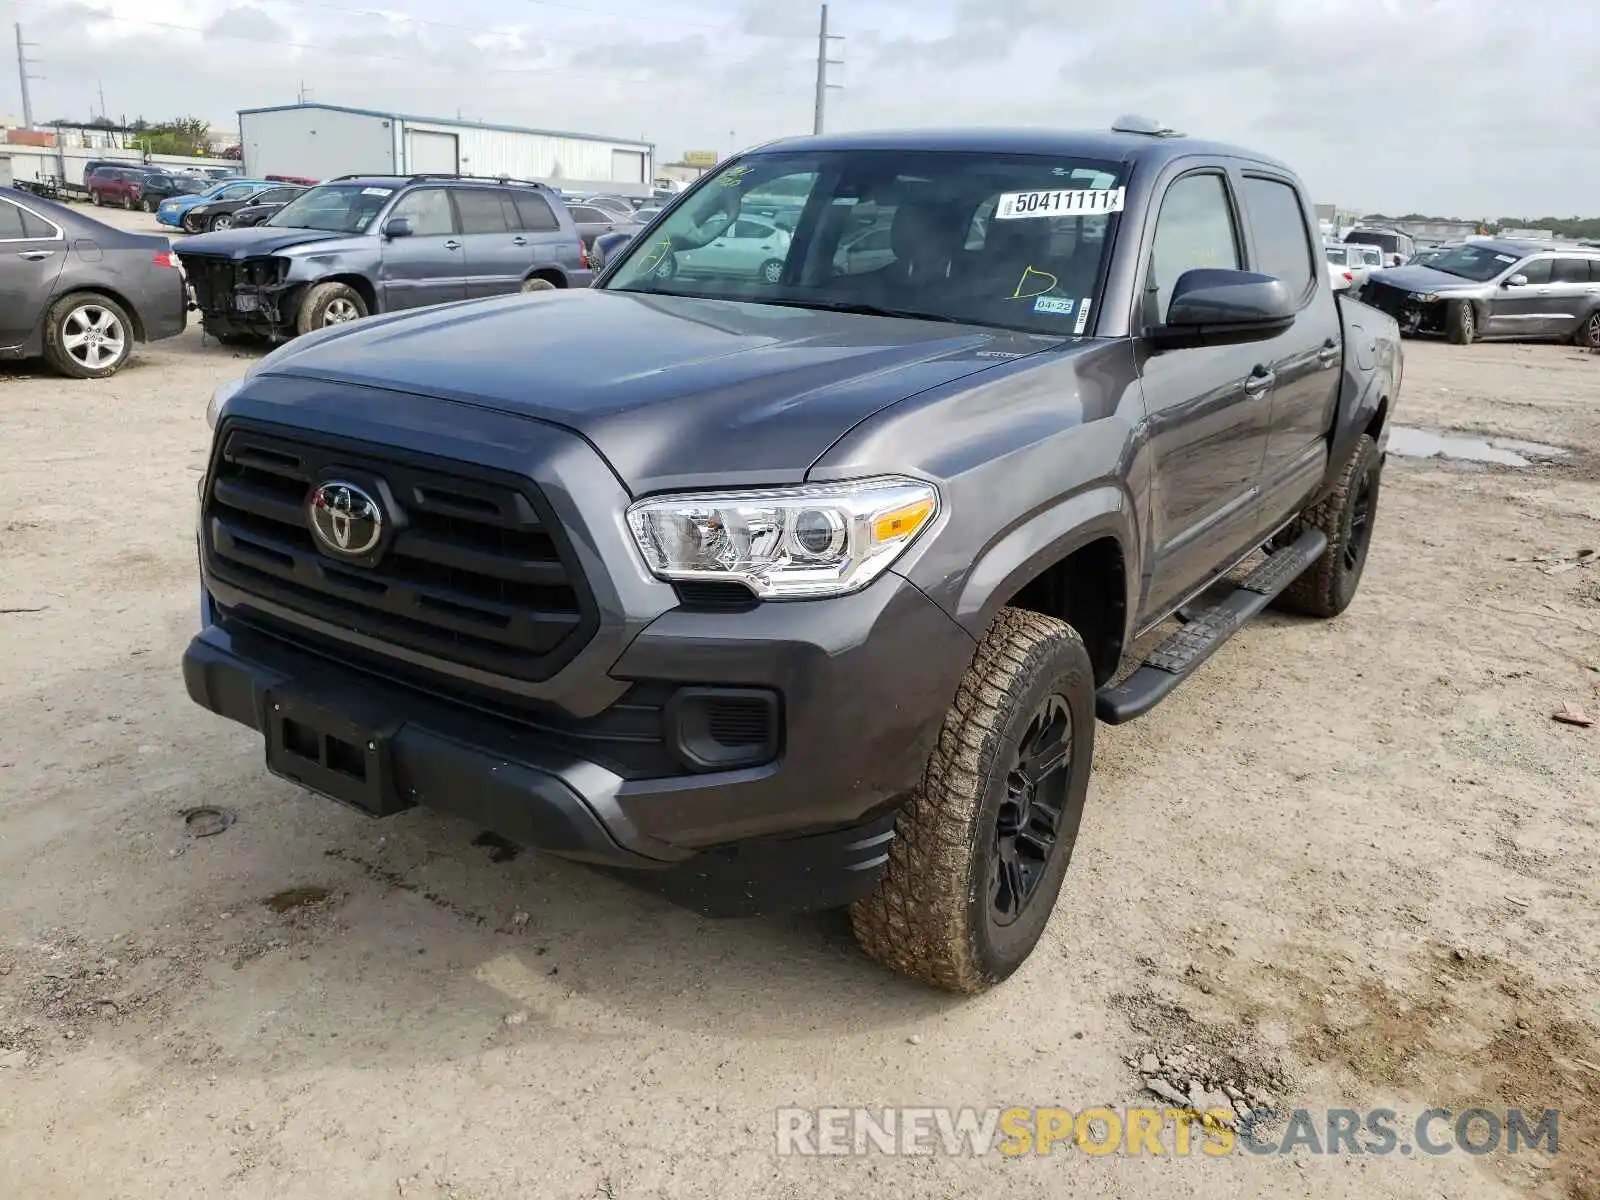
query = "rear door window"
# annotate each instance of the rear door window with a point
(1282, 237)
(1570, 270)
(480, 210)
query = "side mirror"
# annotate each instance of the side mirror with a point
(397, 227)
(1516, 281)
(1216, 307)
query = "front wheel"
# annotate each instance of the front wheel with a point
(149, 205)
(220, 221)
(1461, 322)
(192, 224)
(983, 844)
(329, 304)
(95, 199)
(1347, 517)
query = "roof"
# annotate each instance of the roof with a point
(394, 116)
(1105, 145)
(1520, 246)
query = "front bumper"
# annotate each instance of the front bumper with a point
(864, 683)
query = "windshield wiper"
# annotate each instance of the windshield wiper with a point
(858, 308)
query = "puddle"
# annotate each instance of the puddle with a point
(1503, 452)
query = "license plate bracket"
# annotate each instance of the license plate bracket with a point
(246, 302)
(343, 758)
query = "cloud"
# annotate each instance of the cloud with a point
(1452, 106)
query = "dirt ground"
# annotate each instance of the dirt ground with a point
(1351, 864)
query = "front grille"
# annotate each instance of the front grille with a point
(478, 574)
(1384, 297)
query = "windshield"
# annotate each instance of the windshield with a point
(1478, 263)
(333, 207)
(1009, 240)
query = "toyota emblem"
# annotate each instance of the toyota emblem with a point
(346, 521)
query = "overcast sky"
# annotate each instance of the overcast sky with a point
(1477, 108)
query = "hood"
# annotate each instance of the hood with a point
(672, 390)
(1420, 278)
(253, 242)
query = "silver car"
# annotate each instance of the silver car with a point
(1496, 289)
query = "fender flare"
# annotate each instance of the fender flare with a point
(1042, 540)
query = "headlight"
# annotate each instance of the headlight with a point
(1425, 297)
(200, 208)
(221, 396)
(789, 543)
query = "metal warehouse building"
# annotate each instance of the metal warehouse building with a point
(320, 141)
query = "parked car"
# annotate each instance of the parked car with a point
(1396, 246)
(115, 185)
(208, 216)
(262, 206)
(1349, 263)
(802, 592)
(377, 244)
(592, 221)
(646, 213)
(79, 292)
(750, 247)
(172, 210)
(620, 209)
(1496, 290)
(866, 250)
(162, 185)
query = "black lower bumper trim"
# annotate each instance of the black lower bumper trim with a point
(346, 736)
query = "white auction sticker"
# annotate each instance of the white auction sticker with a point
(1505, 258)
(1083, 318)
(377, 191)
(1070, 203)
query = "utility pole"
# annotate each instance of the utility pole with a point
(102, 88)
(823, 63)
(23, 63)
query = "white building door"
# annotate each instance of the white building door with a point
(429, 153)
(627, 166)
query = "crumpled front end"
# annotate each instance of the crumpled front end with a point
(242, 296)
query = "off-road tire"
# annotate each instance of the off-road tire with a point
(56, 352)
(929, 916)
(1461, 322)
(538, 285)
(314, 305)
(1329, 584)
(1588, 332)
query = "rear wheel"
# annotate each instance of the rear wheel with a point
(1589, 331)
(772, 271)
(129, 203)
(1347, 517)
(983, 845)
(329, 304)
(87, 336)
(538, 285)
(1461, 322)
(149, 205)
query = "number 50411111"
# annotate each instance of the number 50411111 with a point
(1060, 203)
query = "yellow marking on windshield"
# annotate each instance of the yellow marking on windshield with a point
(1033, 273)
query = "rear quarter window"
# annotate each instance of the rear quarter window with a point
(536, 213)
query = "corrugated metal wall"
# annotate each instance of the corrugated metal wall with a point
(538, 155)
(318, 143)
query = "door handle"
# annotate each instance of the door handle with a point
(519, 241)
(1259, 381)
(35, 255)
(452, 244)
(1328, 353)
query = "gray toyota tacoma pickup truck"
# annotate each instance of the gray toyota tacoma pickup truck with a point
(807, 591)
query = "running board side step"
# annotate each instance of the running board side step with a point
(1175, 659)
